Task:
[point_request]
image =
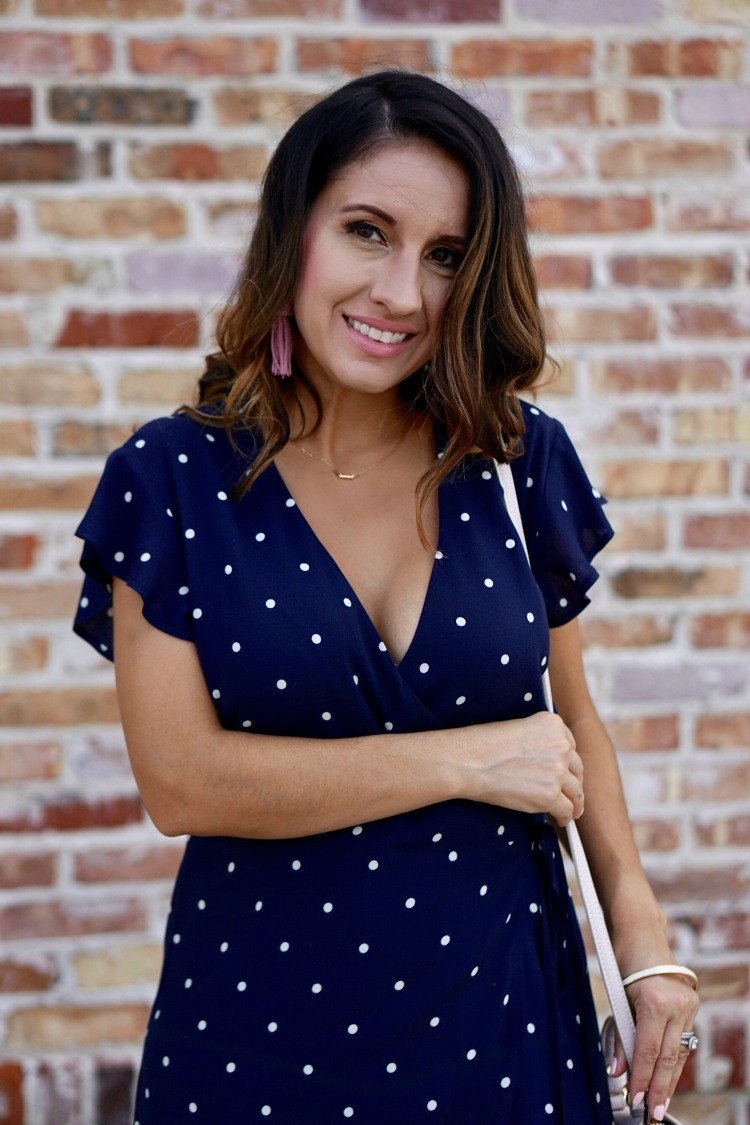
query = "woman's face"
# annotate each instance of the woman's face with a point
(381, 247)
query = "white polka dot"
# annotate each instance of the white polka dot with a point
(549, 1108)
(569, 1064)
(236, 646)
(193, 1107)
(273, 1026)
(452, 856)
(501, 830)
(216, 693)
(281, 684)
(270, 603)
(533, 410)
(398, 985)
(241, 986)
(327, 907)
(465, 516)
(221, 495)
(197, 613)
(382, 647)
(564, 505)
(410, 902)
(437, 837)
(505, 659)
(176, 939)
(284, 946)
(189, 533)
(432, 1104)
(352, 1029)
(506, 998)
(505, 1082)
(391, 1068)
(578, 1019)
(483, 889)
(533, 907)
(357, 830)
(461, 621)
(438, 554)
(388, 726)
(140, 443)
(445, 939)
(348, 602)
(119, 556)
(290, 503)
(316, 638)
(145, 556)
(165, 1061)
(326, 715)
(246, 723)
(434, 1021)
(528, 697)
(202, 1025)
(471, 1054)
(563, 601)
(209, 437)
(510, 542)
(364, 947)
(224, 946)
(488, 582)
(259, 905)
(530, 1028)
(260, 536)
(355, 679)
(182, 458)
(373, 865)
(317, 988)
(544, 661)
(230, 866)
(307, 1069)
(304, 566)
(169, 513)
(231, 1067)
(128, 497)
(529, 616)
(296, 865)
(486, 475)
(348, 1112)
(461, 699)
(83, 602)
(424, 667)
(529, 482)
(596, 493)
(228, 569)
(266, 1111)
(189, 983)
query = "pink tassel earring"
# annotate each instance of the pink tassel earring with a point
(281, 344)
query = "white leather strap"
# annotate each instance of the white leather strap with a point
(604, 951)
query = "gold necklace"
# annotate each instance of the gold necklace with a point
(351, 476)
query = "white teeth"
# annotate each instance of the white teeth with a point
(376, 334)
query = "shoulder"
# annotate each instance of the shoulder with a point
(541, 434)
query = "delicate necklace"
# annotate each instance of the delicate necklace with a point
(352, 476)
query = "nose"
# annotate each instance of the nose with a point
(397, 286)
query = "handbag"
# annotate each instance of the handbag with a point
(621, 1017)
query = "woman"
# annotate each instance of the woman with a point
(329, 659)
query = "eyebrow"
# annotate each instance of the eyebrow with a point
(456, 239)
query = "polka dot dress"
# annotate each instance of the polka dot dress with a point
(424, 967)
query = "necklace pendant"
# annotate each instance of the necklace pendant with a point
(347, 476)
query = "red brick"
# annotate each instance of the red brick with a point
(133, 864)
(725, 982)
(15, 105)
(44, 275)
(25, 654)
(89, 217)
(638, 532)
(720, 782)
(500, 56)
(68, 1026)
(59, 1091)
(711, 425)
(596, 323)
(656, 158)
(677, 375)
(120, 105)
(673, 582)
(626, 632)
(32, 975)
(57, 706)
(25, 761)
(47, 54)
(656, 835)
(604, 106)
(718, 732)
(8, 221)
(37, 161)
(72, 918)
(71, 813)
(144, 328)
(18, 438)
(13, 330)
(111, 9)
(253, 9)
(113, 1084)
(577, 214)
(239, 105)
(729, 1041)
(718, 932)
(197, 162)
(723, 831)
(721, 630)
(634, 478)
(678, 58)
(645, 732)
(354, 56)
(728, 531)
(47, 383)
(432, 11)
(668, 271)
(27, 869)
(18, 552)
(708, 212)
(710, 320)
(11, 1093)
(627, 427)
(695, 884)
(219, 54)
(559, 271)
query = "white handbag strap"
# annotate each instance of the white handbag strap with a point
(604, 951)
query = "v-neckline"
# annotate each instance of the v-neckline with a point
(438, 554)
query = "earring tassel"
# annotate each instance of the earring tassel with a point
(281, 345)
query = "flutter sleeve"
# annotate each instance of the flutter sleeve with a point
(562, 514)
(131, 529)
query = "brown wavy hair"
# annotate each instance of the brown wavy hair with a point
(490, 341)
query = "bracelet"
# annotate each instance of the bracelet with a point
(663, 970)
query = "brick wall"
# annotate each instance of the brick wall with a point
(132, 137)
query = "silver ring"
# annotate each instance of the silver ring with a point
(690, 1040)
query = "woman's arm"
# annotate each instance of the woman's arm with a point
(664, 1006)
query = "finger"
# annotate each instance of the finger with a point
(573, 790)
(562, 811)
(667, 1069)
(575, 765)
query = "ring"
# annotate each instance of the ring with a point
(690, 1040)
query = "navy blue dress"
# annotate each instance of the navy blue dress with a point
(423, 967)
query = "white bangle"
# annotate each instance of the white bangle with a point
(663, 970)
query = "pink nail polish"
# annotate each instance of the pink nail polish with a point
(659, 1112)
(637, 1100)
(666, 1104)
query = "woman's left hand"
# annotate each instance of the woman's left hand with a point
(663, 1007)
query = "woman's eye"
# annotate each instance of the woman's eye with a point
(363, 229)
(451, 258)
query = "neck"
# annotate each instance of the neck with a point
(354, 427)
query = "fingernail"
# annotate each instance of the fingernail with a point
(612, 1066)
(659, 1112)
(637, 1100)
(666, 1104)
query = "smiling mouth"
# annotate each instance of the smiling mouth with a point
(377, 334)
